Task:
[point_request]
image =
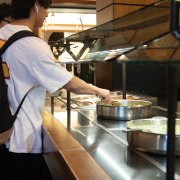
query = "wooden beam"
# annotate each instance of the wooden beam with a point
(75, 1)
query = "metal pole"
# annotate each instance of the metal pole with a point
(174, 18)
(69, 67)
(124, 80)
(68, 111)
(52, 105)
(173, 83)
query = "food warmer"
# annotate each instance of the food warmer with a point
(139, 38)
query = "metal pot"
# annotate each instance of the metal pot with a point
(128, 110)
(150, 141)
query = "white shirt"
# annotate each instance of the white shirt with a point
(30, 62)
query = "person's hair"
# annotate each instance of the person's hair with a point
(21, 9)
(5, 11)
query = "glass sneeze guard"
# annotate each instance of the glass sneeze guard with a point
(141, 36)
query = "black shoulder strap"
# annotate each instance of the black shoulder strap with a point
(19, 107)
(12, 39)
(15, 37)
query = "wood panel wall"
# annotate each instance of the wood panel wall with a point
(107, 11)
(75, 1)
(111, 9)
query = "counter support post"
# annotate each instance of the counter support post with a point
(69, 68)
(68, 111)
(124, 80)
(173, 82)
(52, 105)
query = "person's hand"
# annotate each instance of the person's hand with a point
(104, 95)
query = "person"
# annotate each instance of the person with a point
(31, 64)
(5, 14)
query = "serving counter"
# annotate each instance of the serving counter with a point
(65, 157)
(106, 142)
(149, 39)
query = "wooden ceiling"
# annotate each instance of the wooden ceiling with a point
(75, 1)
(74, 4)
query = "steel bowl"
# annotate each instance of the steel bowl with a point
(128, 110)
(150, 141)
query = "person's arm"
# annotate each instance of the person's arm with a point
(79, 86)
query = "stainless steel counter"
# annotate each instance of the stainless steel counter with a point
(105, 141)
